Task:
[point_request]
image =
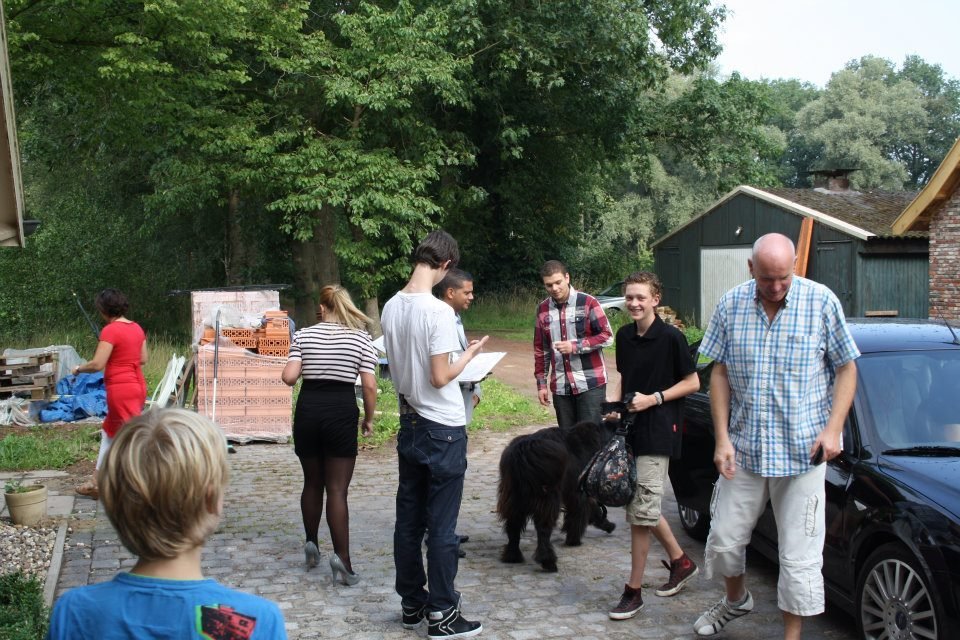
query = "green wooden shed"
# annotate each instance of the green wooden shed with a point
(852, 250)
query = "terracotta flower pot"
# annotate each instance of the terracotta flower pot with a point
(29, 506)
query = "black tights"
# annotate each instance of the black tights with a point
(332, 475)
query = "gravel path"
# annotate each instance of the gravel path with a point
(31, 549)
(28, 549)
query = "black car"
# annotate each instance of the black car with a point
(892, 550)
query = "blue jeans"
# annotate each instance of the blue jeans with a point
(583, 407)
(433, 460)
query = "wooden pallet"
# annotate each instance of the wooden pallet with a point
(37, 392)
(31, 379)
(10, 362)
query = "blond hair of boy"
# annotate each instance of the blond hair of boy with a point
(162, 486)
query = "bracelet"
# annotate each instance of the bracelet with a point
(659, 396)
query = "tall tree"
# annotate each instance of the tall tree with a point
(557, 101)
(787, 98)
(941, 102)
(863, 116)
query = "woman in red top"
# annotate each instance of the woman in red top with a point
(121, 354)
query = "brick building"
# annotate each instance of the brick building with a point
(936, 210)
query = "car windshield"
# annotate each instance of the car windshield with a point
(912, 398)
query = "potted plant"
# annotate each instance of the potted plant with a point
(27, 504)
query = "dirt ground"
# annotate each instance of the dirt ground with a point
(516, 368)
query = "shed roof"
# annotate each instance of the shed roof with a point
(862, 214)
(942, 185)
(873, 211)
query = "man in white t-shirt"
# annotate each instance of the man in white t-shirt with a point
(420, 336)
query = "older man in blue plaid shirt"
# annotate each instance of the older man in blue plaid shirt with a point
(780, 390)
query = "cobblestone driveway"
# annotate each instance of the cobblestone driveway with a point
(258, 548)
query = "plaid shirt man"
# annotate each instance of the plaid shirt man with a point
(781, 373)
(584, 322)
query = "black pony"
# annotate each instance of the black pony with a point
(539, 472)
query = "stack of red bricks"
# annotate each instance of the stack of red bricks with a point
(274, 338)
(251, 401)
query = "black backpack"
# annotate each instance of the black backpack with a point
(611, 474)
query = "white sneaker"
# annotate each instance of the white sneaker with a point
(716, 617)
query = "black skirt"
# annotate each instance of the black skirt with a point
(326, 420)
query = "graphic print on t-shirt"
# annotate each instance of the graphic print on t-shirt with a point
(218, 622)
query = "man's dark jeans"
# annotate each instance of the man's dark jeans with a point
(579, 408)
(433, 460)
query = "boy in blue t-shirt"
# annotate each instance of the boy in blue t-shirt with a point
(162, 486)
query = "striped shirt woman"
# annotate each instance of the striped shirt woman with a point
(329, 356)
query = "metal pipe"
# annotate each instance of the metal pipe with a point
(93, 327)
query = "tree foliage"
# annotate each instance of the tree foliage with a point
(880, 122)
(197, 143)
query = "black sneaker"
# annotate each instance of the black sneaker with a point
(413, 616)
(450, 624)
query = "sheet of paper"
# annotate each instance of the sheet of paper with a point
(481, 365)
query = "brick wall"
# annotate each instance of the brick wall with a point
(945, 260)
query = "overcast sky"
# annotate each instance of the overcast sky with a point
(811, 39)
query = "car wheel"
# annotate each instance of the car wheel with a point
(895, 596)
(695, 523)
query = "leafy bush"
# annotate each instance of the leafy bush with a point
(23, 616)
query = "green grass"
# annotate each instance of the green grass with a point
(48, 447)
(501, 409)
(693, 334)
(23, 615)
(509, 315)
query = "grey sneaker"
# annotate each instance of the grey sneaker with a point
(717, 616)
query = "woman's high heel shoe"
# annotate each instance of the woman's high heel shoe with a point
(346, 577)
(312, 554)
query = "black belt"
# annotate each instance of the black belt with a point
(405, 407)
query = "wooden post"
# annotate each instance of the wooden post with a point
(803, 247)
